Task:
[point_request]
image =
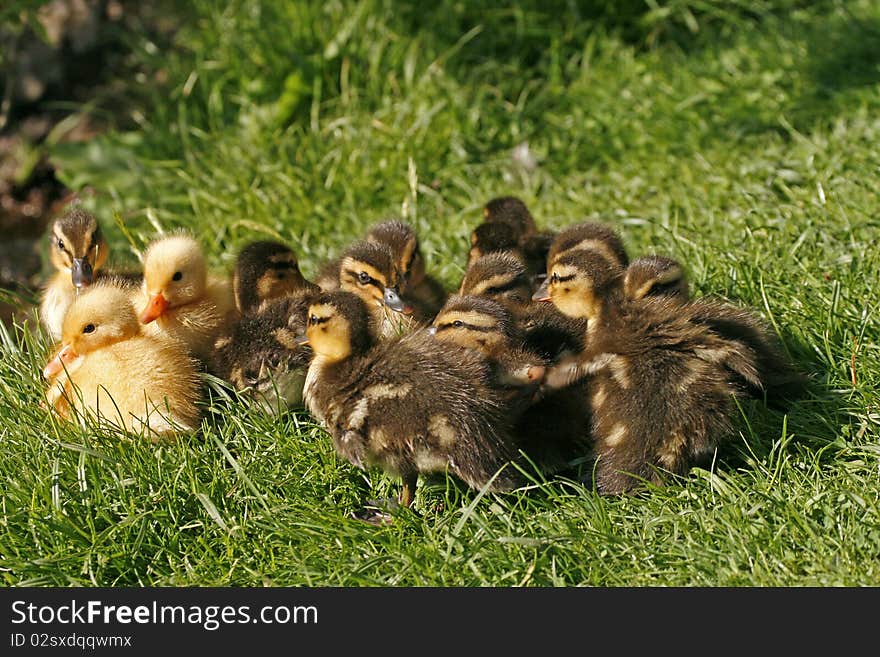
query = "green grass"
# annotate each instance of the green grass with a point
(738, 137)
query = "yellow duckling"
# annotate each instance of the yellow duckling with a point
(107, 368)
(181, 299)
(78, 252)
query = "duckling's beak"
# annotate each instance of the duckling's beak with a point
(392, 300)
(55, 366)
(81, 273)
(432, 330)
(155, 308)
(302, 339)
(543, 292)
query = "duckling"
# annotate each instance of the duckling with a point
(589, 235)
(258, 353)
(662, 385)
(411, 405)
(266, 270)
(487, 326)
(500, 275)
(424, 293)
(512, 211)
(369, 270)
(503, 276)
(108, 368)
(78, 251)
(509, 226)
(552, 429)
(655, 275)
(181, 299)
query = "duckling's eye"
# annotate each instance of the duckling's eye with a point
(89, 328)
(177, 276)
(458, 323)
(313, 319)
(61, 244)
(363, 278)
(554, 278)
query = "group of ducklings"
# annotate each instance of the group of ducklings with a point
(555, 349)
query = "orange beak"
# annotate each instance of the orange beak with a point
(155, 308)
(55, 366)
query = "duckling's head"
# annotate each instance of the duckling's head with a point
(655, 275)
(368, 269)
(337, 326)
(501, 275)
(401, 238)
(491, 237)
(175, 274)
(475, 322)
(580, 282)
(588, 235)
(99, 317)
(265, 270)
(512, 211)
(77, 246)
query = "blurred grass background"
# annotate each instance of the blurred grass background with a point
(739, 137)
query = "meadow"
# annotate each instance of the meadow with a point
(738, 137)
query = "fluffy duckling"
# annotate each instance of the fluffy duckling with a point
(422, 292)
(655, 275)
(106, 367)
(552, 430)
(369, 270)
(662, 386)
(487, 326)
(509, 226)
(266, 270)
(589, 235)
(503, 276)
(512, 211)
(259, 353)
(500, 275)
(411, 405)
(77, 251)
(181, 299)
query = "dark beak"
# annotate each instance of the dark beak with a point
(302, 339)
(392, 300)
(81, 273)
(543, 292)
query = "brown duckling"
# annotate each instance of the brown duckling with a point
(655, 275)
(411, 405)
(259, 355)
(489, 327)
(266, 270)
(424, 293)
(508, 225)
(369, 270)
(662, 385)
(179, 298)
(503, 276)
(106, 367)
(499, 275)
(553, 430)
(589, 235)
(78, 253)
(512, 211)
